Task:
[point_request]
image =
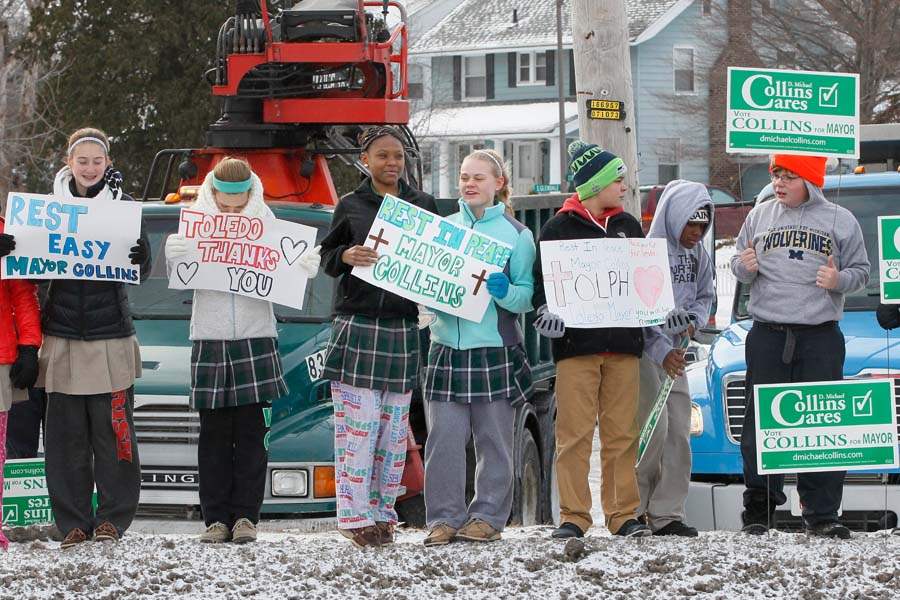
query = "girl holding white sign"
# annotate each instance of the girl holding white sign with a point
(478, 373)
(88, 363)
(236, 371)
(373, 356)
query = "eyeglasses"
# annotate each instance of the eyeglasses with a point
(785, 177)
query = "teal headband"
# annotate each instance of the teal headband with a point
(231, 187)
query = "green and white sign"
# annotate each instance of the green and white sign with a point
(25, 498)
(798, 112)
(889, 258)
(826, 426)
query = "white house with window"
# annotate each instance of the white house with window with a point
(486, 75)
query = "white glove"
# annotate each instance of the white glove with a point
(176, 246)
(677, 321)
(309, 262)
(548, 324)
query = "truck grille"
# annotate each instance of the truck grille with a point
(160, 423)
(735, 403)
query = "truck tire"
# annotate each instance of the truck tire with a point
(412, 511)
(527, 492)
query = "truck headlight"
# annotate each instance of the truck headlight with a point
(696, 420)
(290, 482)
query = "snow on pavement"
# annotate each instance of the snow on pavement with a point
(526, 564)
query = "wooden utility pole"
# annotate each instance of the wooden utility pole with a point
(603, 72)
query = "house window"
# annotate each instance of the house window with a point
(416, 87)
(474, 77)
(683, 63)
(706, 8)
(668, 154)
(532, 68)
(426, 156)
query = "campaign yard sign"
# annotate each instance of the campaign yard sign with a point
(243, 255)
(75, 238)
(889, 258)
(798, 112)
(826, 426)
(431, 260)
(26, 500)
(608, 282)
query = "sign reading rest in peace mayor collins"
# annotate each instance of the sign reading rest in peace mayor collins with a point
(797, 112)
(826, 426)
(432, 261)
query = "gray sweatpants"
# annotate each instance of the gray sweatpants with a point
(450, 425)
(664, 475)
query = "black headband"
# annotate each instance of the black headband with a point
(373, 133)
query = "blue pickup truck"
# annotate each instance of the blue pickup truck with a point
(871, 500)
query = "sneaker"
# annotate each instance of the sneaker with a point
(567, 530)
(478, 530)
(440, 535)
(755, 529)
(217, 533)
(74, 537)
(633, 528)
(243, 531)
(106, 532)
(363, 537)
(385, 532)
(677, 528)
(828, 529)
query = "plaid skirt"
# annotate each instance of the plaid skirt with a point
(235, 373)
(477, 375)
(377, 354)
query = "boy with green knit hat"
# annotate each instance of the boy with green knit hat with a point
(596, 368)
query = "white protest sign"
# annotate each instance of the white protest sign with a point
(607, 282)
(243, 255)
(431, 260)
(75, 238)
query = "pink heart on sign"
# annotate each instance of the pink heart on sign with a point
(649, 284)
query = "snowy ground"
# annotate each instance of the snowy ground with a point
(524, 564)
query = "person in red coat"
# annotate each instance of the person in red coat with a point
(20, 338)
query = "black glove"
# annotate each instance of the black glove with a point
(24, 371)
(139, 252)
(7, 244)
(888, 315)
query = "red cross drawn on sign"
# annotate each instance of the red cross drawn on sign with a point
(480, 278)
(378, 239)
(557, 276)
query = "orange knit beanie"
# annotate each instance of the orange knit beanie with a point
(810, 168)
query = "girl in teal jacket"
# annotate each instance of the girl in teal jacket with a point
(477, 373)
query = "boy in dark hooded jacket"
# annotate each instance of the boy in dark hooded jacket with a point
(596, 368)
(682, 218)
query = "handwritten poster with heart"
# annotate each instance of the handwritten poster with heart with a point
(243, 255)
(607, 282)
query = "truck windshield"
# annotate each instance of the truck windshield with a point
(866, 205)
(154, 300)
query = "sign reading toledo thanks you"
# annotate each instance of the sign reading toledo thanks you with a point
(826, 426)
(431, 260)
(798, 112)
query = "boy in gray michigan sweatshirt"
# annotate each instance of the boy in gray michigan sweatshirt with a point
(800, 254)
(682, 218)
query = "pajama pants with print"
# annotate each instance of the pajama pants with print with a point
(4, 417)
(370, 428)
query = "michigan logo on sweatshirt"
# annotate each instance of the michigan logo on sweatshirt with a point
(797, 240)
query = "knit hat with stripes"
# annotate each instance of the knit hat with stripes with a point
(593, 168)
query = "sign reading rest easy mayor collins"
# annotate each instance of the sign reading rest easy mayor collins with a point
(797, 112)
(826, 426)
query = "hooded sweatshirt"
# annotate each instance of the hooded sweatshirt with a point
(222, 315)
(791, 244)
(500, 325)
(693, 284)
(575, 222)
